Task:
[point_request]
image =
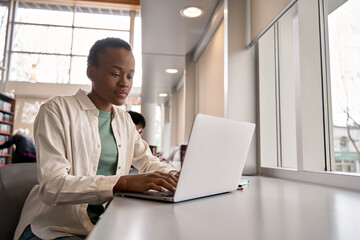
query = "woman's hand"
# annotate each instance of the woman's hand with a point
(158, 181)
(175, 173)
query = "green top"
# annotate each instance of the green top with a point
(108, 156)
(108, 159)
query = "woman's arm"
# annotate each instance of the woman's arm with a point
(57, 185)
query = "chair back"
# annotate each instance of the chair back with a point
(16, 182)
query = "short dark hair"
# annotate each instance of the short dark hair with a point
(137, 118)
(101, 45)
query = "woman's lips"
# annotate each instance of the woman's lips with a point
(121, 93)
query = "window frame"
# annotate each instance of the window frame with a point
(313, 52)
(11, 23)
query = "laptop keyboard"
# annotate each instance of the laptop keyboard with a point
(162, 194)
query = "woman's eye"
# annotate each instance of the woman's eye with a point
(115, 75)
(130, 77)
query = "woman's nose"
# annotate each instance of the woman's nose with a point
(123, 82)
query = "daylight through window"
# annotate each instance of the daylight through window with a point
(50, 42)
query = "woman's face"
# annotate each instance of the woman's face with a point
(112, 77)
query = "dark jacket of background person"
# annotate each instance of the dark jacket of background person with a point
(25, 149)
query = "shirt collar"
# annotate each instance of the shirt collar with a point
(87, 104)
(84, 100)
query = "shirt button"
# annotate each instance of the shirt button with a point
(119, 145)
(119, 167)
(98, 145)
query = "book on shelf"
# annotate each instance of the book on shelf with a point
(2, 161)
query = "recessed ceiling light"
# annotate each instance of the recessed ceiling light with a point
(171, 70)
(191, 12)
(163, 94)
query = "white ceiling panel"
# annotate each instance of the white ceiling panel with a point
(166, 38)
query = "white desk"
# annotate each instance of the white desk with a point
(268, 209)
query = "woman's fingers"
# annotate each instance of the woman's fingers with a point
(154, 186)
(165, 180)
(143, 182)
(166, 183)
(174, 175)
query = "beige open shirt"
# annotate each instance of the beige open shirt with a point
(68, 149)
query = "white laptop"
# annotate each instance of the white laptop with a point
(214, 160)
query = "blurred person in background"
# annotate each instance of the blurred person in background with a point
(139, 121)
(24, 150)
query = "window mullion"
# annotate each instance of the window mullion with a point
(298, 113)
(326, 80)
(8, 43)
(72, 42)
(277, 96)
(132, 26)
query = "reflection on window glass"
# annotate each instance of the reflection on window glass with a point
(39, 68)
(3, 22)
(45, 39)
(29, 111)
(48, 37)
(137, 50)
(136, 108)
(51, 14)
(78, 71)
(85, 38)
(102, 18)
(344, 50)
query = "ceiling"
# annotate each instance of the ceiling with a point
(166, 38)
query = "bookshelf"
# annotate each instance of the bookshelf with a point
(7, 117)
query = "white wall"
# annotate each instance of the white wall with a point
(241, 99)
(226, 72)
(180, 116)
(166, 131)
(177, 115)
(148, 110)
(30, 96)
(26, 110)
(190, 94)
(43, 90)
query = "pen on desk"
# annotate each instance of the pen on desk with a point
(243, 183)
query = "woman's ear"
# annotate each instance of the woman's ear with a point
(90, 71)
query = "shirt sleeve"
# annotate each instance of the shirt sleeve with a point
(57, 185)
(10, 142)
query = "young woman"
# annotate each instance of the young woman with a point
(85, 145)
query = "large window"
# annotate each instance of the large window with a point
(50, 41)
(3, 24)
(344, 56)
(277, 69)
(309, 104)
